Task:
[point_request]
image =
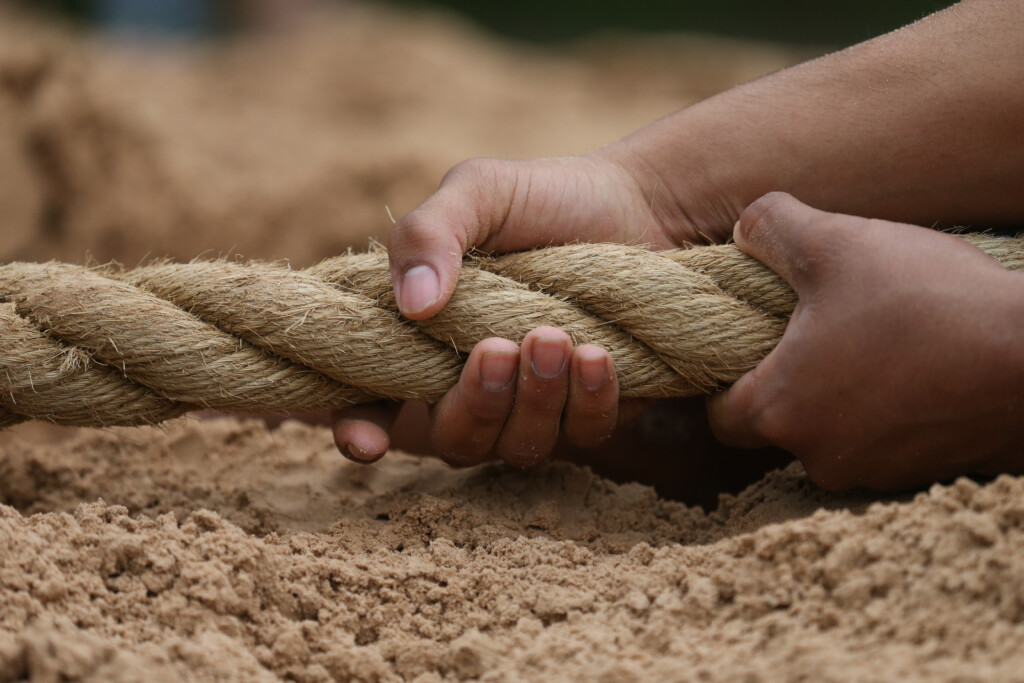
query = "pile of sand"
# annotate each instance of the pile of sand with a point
(290, 146)
(238, 554)
(222, 551)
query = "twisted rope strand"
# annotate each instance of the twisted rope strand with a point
(81, 346)
(707, 337)
(156, 344)
(61, 384)
(300, 317)
(490, 305)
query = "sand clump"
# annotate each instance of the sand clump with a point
(240, 554)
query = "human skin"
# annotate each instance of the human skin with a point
(902, 363)
(923, 125)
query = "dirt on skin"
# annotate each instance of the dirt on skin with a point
(220, 550)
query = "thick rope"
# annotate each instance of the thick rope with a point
(108, 346)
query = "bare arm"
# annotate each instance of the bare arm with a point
(922, 125)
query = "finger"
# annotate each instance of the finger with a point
(506, 206)
(734, 415)
(470, 417)
(592, 409)
(791, 238)
(361, 432)
(426, 246)
(531, 431)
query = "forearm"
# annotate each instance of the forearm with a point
(923, 125)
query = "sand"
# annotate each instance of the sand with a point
(219, 550)
(291, 146)
(227, 552)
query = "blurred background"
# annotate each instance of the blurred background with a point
(283, 128)
(839, 22)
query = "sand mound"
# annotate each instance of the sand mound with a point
(260, 556)
(291, 146)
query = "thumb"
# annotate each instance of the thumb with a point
(507, 206)
(791, 238)
(795, 241)
(426, 246)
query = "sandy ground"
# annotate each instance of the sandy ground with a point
(220, 550)
(226, 552)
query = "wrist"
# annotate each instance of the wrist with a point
(699, 169)
(915, 126)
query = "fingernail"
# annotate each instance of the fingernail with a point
(593, 369)
(497, 369)
(354, 452)
(547, 357)
(420, 288)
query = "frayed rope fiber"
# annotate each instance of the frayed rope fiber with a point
(108, 346)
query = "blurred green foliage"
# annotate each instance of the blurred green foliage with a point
(822, 22)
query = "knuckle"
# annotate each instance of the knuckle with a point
(413, 233)
(762, 214)
(473, 173)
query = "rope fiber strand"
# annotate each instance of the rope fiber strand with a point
(109, 346)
